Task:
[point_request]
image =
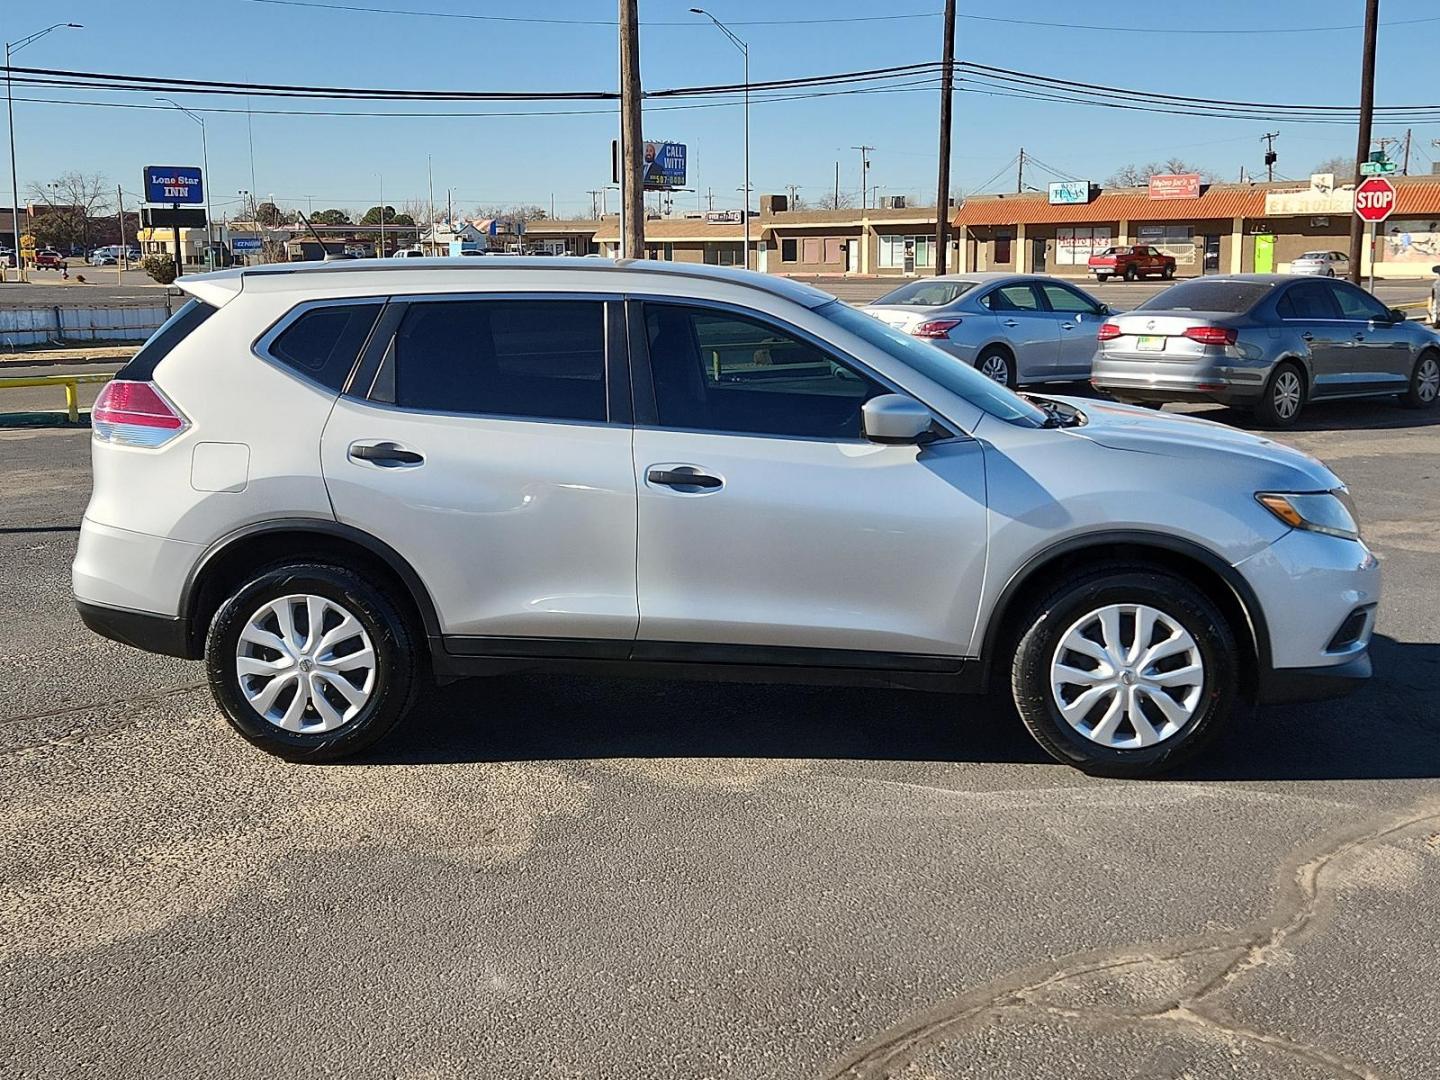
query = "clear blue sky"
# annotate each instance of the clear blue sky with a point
(489, 160)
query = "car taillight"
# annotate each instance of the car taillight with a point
(935, 328)
(135, 414)
(1212, 335)
(1107, 332)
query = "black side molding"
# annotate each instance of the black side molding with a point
(1286, 686)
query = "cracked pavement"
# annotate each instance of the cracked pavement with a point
(583, 877)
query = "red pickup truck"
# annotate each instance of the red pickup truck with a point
(49, 258)
(1138, 260)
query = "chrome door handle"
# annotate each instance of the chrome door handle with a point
(1067, 326)
(1010, 322)
(1308, 336)
(1359, 336)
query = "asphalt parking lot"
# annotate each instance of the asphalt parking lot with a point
(563, 877)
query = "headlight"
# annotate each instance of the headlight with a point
(1328, 512)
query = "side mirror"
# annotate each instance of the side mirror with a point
(895, 418)
(1104, 309)
(1435, 269)
(1396, 315)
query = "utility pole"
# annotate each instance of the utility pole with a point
(864, 173)
(942, 184)
(792, 188)
(121, 263)
(1362, 137)
(430, 177)
(1405, 167)
(594, 194)
(1020, 172)
(632, 189)
(837, 185)
(1270, 158)
(710, 198)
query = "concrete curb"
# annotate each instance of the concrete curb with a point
(57, 418)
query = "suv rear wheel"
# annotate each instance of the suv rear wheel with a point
(310, 662)
(1125, 672)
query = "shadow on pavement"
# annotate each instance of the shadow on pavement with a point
(1389, 729)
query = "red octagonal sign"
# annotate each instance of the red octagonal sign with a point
(1375, 199)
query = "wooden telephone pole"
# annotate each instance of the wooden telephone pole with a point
(942, 195)
(632, 147)
(1362, 141)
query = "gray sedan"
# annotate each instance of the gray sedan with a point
(1015, 328)
(1266, 342)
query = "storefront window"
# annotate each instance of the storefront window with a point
(1074, 244)
(892, 251)
(1174, 240)
(789, 251)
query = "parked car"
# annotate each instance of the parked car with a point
(1014, 328)
(409, 253)
(1131, 262)
(49, 258)
(1434, 304)
(1322, 264)
(1266, 342)
(103, 256)
(756, 480)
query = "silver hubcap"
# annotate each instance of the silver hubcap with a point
(305, 664)
(1428, 382)
(1127, 676)
(996, 368)
(1287, 395)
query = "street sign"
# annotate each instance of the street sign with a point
(1377, 168)
(174, 184)
(1375, 199)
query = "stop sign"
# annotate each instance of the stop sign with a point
(1375, 199)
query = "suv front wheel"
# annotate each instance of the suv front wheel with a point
(1125, 672)
(310, 662)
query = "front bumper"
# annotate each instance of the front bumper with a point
(1285, 686)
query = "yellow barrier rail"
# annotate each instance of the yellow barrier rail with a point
(71, 383)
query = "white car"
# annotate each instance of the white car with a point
(581, 465)
(1322, 264)
(409, 253)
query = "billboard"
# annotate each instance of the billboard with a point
(173, 184)
(1175, 186)
(1070, 193)
(664, 166)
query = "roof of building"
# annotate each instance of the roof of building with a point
(1414, 195)
(561, 225)
(671, 229)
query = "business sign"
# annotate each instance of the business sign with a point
(1375, 199)
(1321, 198)
(246, 243)
(724, 217)
(1175, 186)
(173, 184)
(664, 166)
(1070, 193)
(166, 217)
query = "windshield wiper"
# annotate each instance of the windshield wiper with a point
(1056, 415)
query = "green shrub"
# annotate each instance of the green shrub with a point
(159, 267)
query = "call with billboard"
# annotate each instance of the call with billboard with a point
(664, 166)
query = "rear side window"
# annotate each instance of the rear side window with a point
(324, 342)
(1201, 295)
(1309, 300)
(541, 359)
(175, 329)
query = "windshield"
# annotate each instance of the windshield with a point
(935, 364)
(927, 293)
(1316, 255)
(1213, 295)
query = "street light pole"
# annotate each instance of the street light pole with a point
(12, 47)
(205, 175)
(745, 53)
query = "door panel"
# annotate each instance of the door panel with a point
(518, 524)
(1308, 310)
(1078, 320)
(1031, 331)
(1380, 350)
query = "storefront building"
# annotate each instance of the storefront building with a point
(892, 241)
(1207, 228)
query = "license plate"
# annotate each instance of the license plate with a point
(1150, 343)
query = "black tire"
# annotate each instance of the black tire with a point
(1131, 273)
(392, 638)
(1422, 393)
(995, 353)
(1102, 278)
(1168, 273)
(1051, 619)
(1277, 407)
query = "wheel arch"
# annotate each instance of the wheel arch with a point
(247, 549)
(1208, 572)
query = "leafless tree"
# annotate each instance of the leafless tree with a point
(1343, 167)
(1139, 175)
(71, 201)
(832, 201)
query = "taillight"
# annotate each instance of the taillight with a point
(1107, 332)
(935, 328)
(1212, 335)
(135, 414)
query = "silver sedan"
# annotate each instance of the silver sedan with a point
(1322, 264)
(1015, 328)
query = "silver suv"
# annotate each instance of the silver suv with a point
(331, 480)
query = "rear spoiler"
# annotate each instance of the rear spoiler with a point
(216, 289)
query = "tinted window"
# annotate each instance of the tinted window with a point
(531, 358)
(160, 344)
(714, 371)
(324, 342)
(1308, 301)
(927, 293)
(1358, 304)
(788, 251)
(1012, 298)
(1211, 295)
(1068, 300)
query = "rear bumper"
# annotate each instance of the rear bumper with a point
(1280, 686)
(165, 634)
(1221, 377)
